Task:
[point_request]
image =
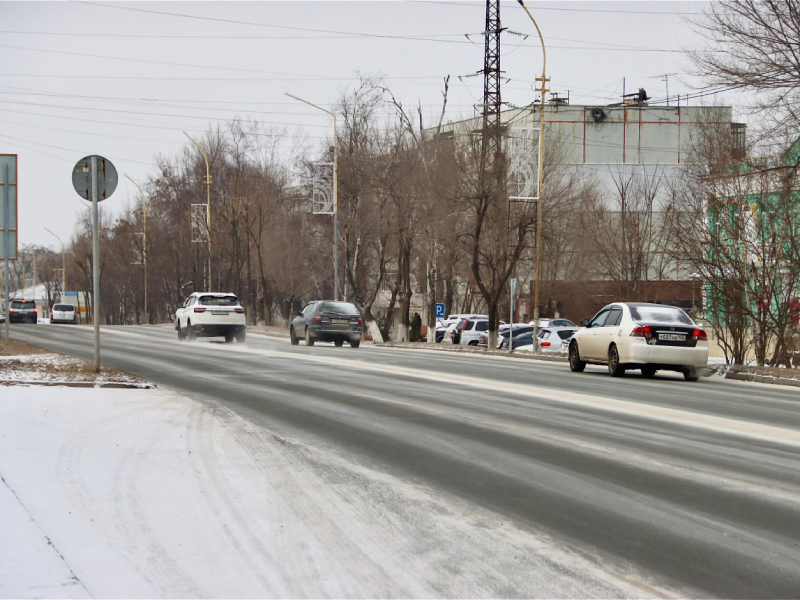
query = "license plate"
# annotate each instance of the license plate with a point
(219, 312)
(671, 337)
(339, 321)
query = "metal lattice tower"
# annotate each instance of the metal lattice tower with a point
(491, 80)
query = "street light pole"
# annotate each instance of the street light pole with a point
(63, 264)
(144, 245)
(335, 197)
(543, 80)
(208, 207)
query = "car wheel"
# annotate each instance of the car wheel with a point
(181, 334)
(355, 343)
(648, 371)
(473, 343)
(293, 337)
(691, 374)
(191, 334)
(228, 338)
(338, 343)
(241, 336)
(614, 368)
(309, 339)
(575, 362)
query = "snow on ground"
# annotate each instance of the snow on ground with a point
(147, 493)
(58, 368)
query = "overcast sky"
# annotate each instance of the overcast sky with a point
(123, 80)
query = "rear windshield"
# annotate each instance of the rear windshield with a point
(219, 300)
(23, 304)
(340, 308)
(562, 323)
(63, 307)
(566, 333)
(660, 314)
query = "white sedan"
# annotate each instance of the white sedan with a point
(209, 314)
(649, 337)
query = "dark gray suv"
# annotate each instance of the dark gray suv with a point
(327, 321)
(23, 311)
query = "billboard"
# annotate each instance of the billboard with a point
(8, 206)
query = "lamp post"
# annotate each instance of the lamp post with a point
(208, 206)
(144, 244)
(335, 197)
(63, 264)
(543, 89)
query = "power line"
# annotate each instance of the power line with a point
(481, 5)
(145, 61)
(267, 25)
(10, 137)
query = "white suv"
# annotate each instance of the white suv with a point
(211, 314)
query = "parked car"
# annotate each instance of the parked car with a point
(503, 332)
(211, 314)
(555, 339)
(439, 330)
(63, 313)
(649, 337)
(23, 311)
(449, 326)
(556, 322)
(517, 332)
(519, 339)
(468, 331)
(327, 321)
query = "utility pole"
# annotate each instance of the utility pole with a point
(492, 160)
(208, 207)
(492, 133)
(543, 81)
(144, 245)
(63, 264)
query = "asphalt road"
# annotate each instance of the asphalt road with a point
(677, 488)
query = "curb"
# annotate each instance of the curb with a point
(85, 384)
(480, 351)
(754, 378)
(730, 374)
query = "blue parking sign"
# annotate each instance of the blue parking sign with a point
(440, 310)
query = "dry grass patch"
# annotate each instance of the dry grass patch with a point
(21, 362)
(18, 348)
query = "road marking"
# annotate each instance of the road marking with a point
(684, 418)
(628, 407)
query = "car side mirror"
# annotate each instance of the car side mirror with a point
(585, 323)
(297, 313)
(179, 305)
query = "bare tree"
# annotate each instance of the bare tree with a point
(753, 44)
(736, 224)
(626, 231)
(365, 224)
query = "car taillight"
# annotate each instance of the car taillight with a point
(359, 321)
(642, 331)
(318, 319)
(544, 344)
(699, 334)
(239, 310)
(199, 309)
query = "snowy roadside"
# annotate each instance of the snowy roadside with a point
(25, 364)
(145, 493)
